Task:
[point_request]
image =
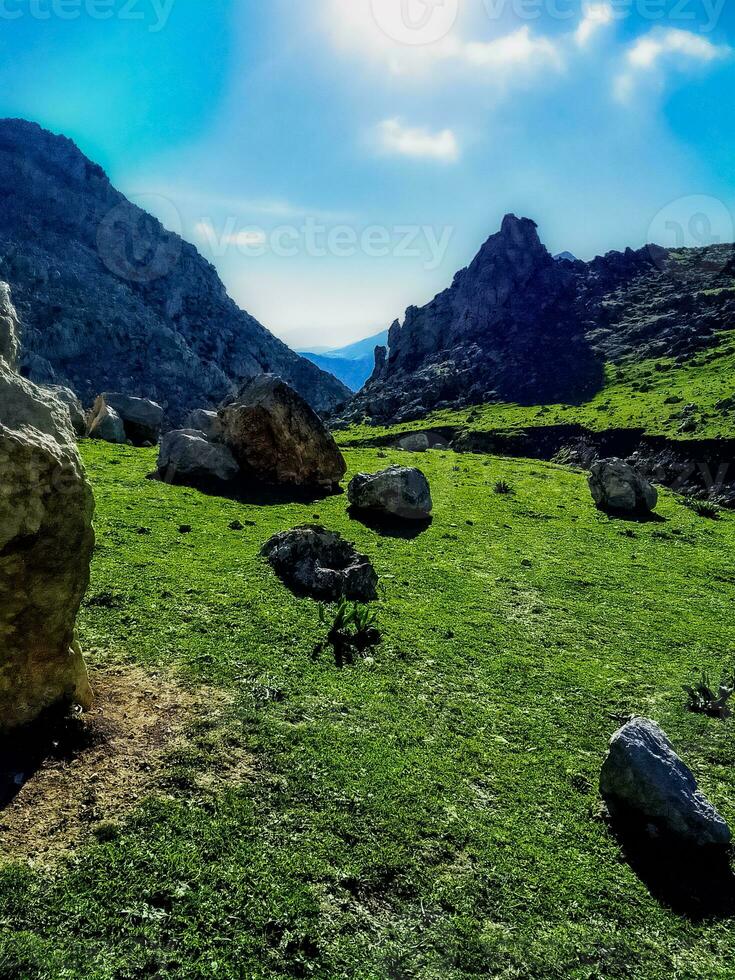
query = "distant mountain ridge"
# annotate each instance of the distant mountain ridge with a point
(518, 325)
(110, 300)
(352, 364)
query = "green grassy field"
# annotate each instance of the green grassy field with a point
(649, 395)
(431, 812)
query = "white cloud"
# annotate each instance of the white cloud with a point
(595, 17)
(519, 49)
(244, 238)
(395, 138)
(658, 47)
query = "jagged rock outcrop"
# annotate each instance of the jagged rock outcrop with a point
(111, 301)
(518, 325)
(277, 438)
(9, 328)
(46, 542)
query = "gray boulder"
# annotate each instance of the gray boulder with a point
(141, 417)
(76, 411)
(186, 456)
(313, 561)
(399, 492)
(617, 486)
(107, 426)
(643, 779)
(206, 422)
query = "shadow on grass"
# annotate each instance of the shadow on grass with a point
(632, 517)
(253, 492)
(390, 527)
(58, 735)
(697, 883)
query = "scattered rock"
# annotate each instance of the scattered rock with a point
(276, 437)
(321, 564)
(643, 780)
(186, 456)
(418, 443)
(206, 422)
(46, 542)
(108, 426)
(399, 491)
(237, 526)
(76, 411)
(617, 486)
(141, 417)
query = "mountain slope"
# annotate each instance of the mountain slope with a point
(517, 326)
(352, 364)
(109, 299)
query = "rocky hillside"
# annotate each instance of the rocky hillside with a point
(110, 300)
(520, 326)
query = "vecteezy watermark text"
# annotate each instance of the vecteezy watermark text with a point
(425, 22)
(318, 240)
(154, 14)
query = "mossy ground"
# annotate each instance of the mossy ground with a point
(649, 395)
(429, 813)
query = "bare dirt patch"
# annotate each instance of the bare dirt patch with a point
(67, 777)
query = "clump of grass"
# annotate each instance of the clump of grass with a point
(502, 488)
(563, 457)
(352, 630)
(703, 508)
(704, 700)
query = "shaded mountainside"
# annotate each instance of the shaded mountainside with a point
(110, 300)
(519, 326)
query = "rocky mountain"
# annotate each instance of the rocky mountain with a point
(110, 300)
(520, 326)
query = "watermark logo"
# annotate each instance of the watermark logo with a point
(152, 14)
(695, 221)
(415, 22)
(132, 244)
(313, 238)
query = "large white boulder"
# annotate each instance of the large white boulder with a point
(46, 542)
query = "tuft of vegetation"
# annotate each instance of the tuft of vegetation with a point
(502, 488)
(704, 700)
(352, 630)
(703, 508)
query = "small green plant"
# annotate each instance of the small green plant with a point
(352, 629)
(703, 508)
(502, 488)
(703, 700)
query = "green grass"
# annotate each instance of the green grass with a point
(635, 395)
(431, 813)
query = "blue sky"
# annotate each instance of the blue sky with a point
(341, 159)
